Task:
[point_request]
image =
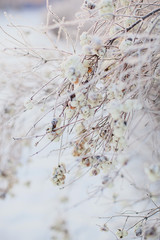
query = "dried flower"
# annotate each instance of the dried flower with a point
(59, 175)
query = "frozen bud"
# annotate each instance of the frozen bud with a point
(125, 44)
(69, 112)
(28, 104)
(85, 39)
(121, 233)
(153, 172)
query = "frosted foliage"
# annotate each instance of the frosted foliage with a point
(93, 97)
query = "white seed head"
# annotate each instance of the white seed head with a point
(121, 233)
(73, 68)
(85, 39)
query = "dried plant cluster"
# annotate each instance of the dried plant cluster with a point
(109, 78)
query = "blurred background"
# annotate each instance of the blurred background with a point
(21, 3)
